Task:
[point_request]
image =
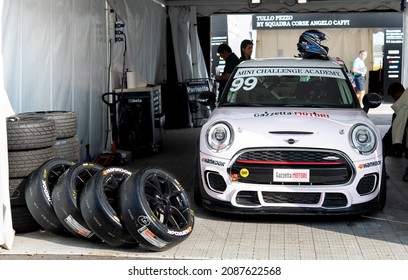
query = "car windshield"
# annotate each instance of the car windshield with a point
(289, 87)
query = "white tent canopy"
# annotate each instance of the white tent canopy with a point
(57, 55)
(208, 7)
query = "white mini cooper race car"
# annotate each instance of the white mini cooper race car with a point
(289, 136)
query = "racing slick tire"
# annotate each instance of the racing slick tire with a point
(98, 204)
(65, 198)
(38, 194)
(155, 209)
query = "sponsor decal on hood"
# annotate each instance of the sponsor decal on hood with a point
(294, 113)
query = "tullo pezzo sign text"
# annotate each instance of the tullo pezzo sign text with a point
(325, 20)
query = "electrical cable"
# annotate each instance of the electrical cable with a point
(124, 63)
(117, 16)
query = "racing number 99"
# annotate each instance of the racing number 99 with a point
(247, 84)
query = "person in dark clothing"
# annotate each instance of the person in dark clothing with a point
(395, 139)
(246, 49)
(231, 60)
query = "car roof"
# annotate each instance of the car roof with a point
(289, 62)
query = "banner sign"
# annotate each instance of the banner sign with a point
(194, 86)
(325, 20)
(392, 56)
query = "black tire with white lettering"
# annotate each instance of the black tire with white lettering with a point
(38, 194)
(65, 198)
(155, 209)
(98, 203)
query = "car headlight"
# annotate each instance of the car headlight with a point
(219, 136)
(363, 139)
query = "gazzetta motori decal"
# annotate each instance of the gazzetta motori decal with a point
(296, 113)
(289, 175)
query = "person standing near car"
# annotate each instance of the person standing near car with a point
(396, 137)
(231, 60)
(247, 47)
(359, 71)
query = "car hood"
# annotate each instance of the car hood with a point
(291, 127)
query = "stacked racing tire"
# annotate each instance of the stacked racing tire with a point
(67, 143)
(30, 143)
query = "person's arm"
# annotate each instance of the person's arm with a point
(223, 77)
(398, 125)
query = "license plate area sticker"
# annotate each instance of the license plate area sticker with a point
(291, 175)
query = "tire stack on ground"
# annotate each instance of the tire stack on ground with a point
(67, 144)
(30, 143)
(110, 205)
(52, 190)
(33, 139)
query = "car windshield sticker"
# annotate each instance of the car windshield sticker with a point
(276, 71)
(246, 84)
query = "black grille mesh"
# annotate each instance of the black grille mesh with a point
(216, 182)
(291, 156)
(326, 167)
(290, 197)
(366, 184)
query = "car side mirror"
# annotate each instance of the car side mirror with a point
(207, 98)
(371, 100)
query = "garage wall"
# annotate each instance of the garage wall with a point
(55, 57)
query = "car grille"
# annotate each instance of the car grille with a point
(331, 200)
(291, 197)
(327, 167)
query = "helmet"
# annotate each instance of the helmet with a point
(309, 44)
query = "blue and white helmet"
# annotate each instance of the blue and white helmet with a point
(309, 44)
